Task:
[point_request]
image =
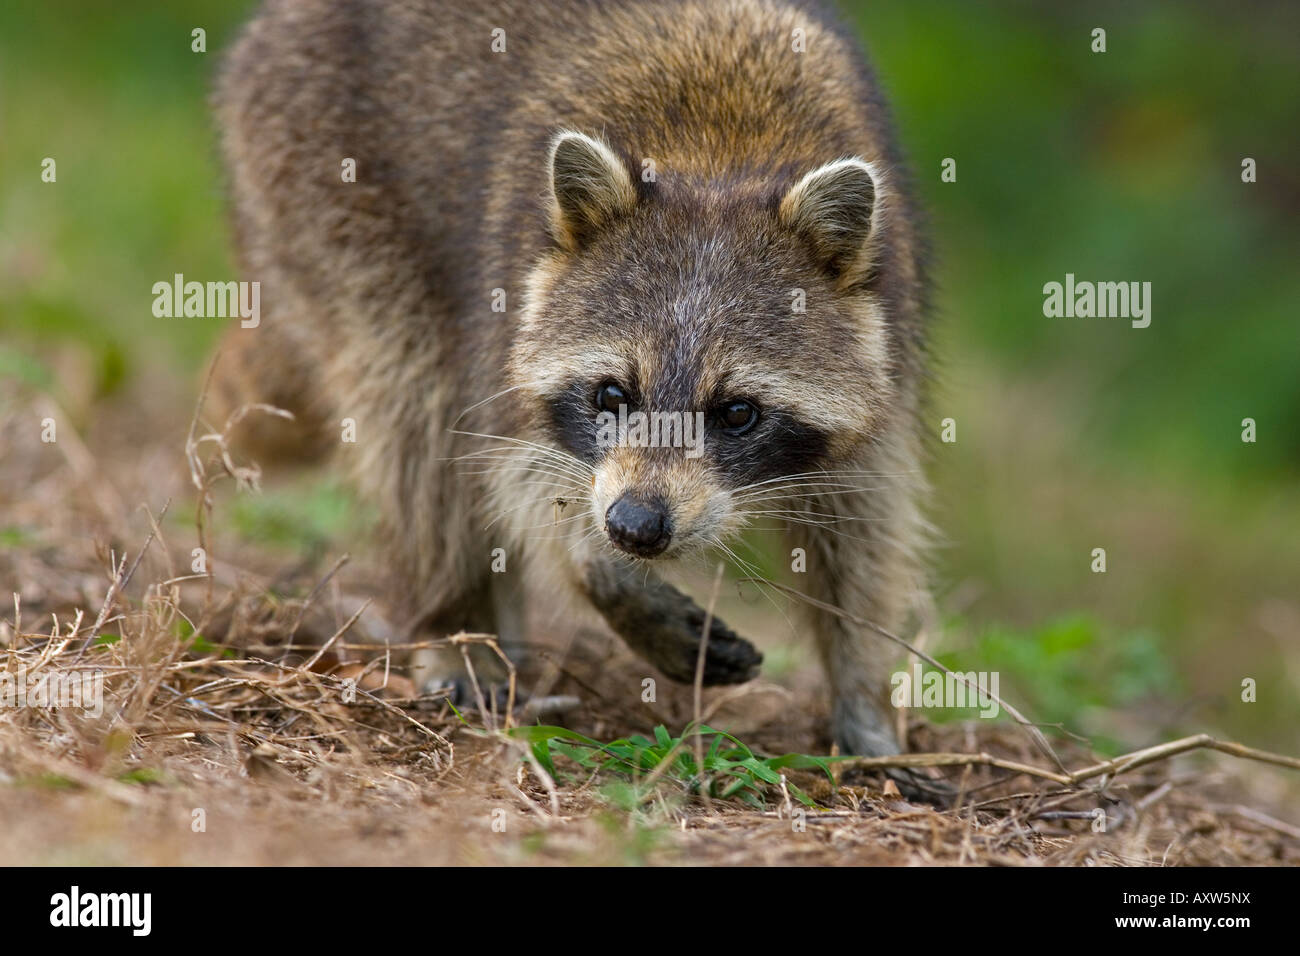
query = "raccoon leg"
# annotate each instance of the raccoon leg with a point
(857, 660)
(664, 626)
(443, 670)
(447, 677)
(494, 605)
(876, 580)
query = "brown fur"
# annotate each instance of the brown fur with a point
(377, 296)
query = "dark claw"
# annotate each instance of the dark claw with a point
(460, 691)
(729, 658)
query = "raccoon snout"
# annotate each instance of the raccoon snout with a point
(638, 526)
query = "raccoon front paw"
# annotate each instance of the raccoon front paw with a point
(728, 658)
(664, 626)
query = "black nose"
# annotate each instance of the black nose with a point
(638, 526)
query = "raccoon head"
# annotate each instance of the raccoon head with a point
(699, 345)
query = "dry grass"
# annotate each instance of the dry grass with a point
(301, 741)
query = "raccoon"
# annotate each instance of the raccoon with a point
(562, 212)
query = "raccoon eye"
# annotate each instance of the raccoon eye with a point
(609, 397)
(738, 417)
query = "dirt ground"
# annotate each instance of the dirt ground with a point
(243, 749)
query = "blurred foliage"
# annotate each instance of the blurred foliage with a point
(304, 518)
(1123, 165)
(113, 93)
(1069, 671)
(1073, 433)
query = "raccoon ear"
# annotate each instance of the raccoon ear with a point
(836, 208)
(590, 187)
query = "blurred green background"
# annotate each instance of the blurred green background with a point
(1072, 434)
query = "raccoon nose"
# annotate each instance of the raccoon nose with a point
(637, 526)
